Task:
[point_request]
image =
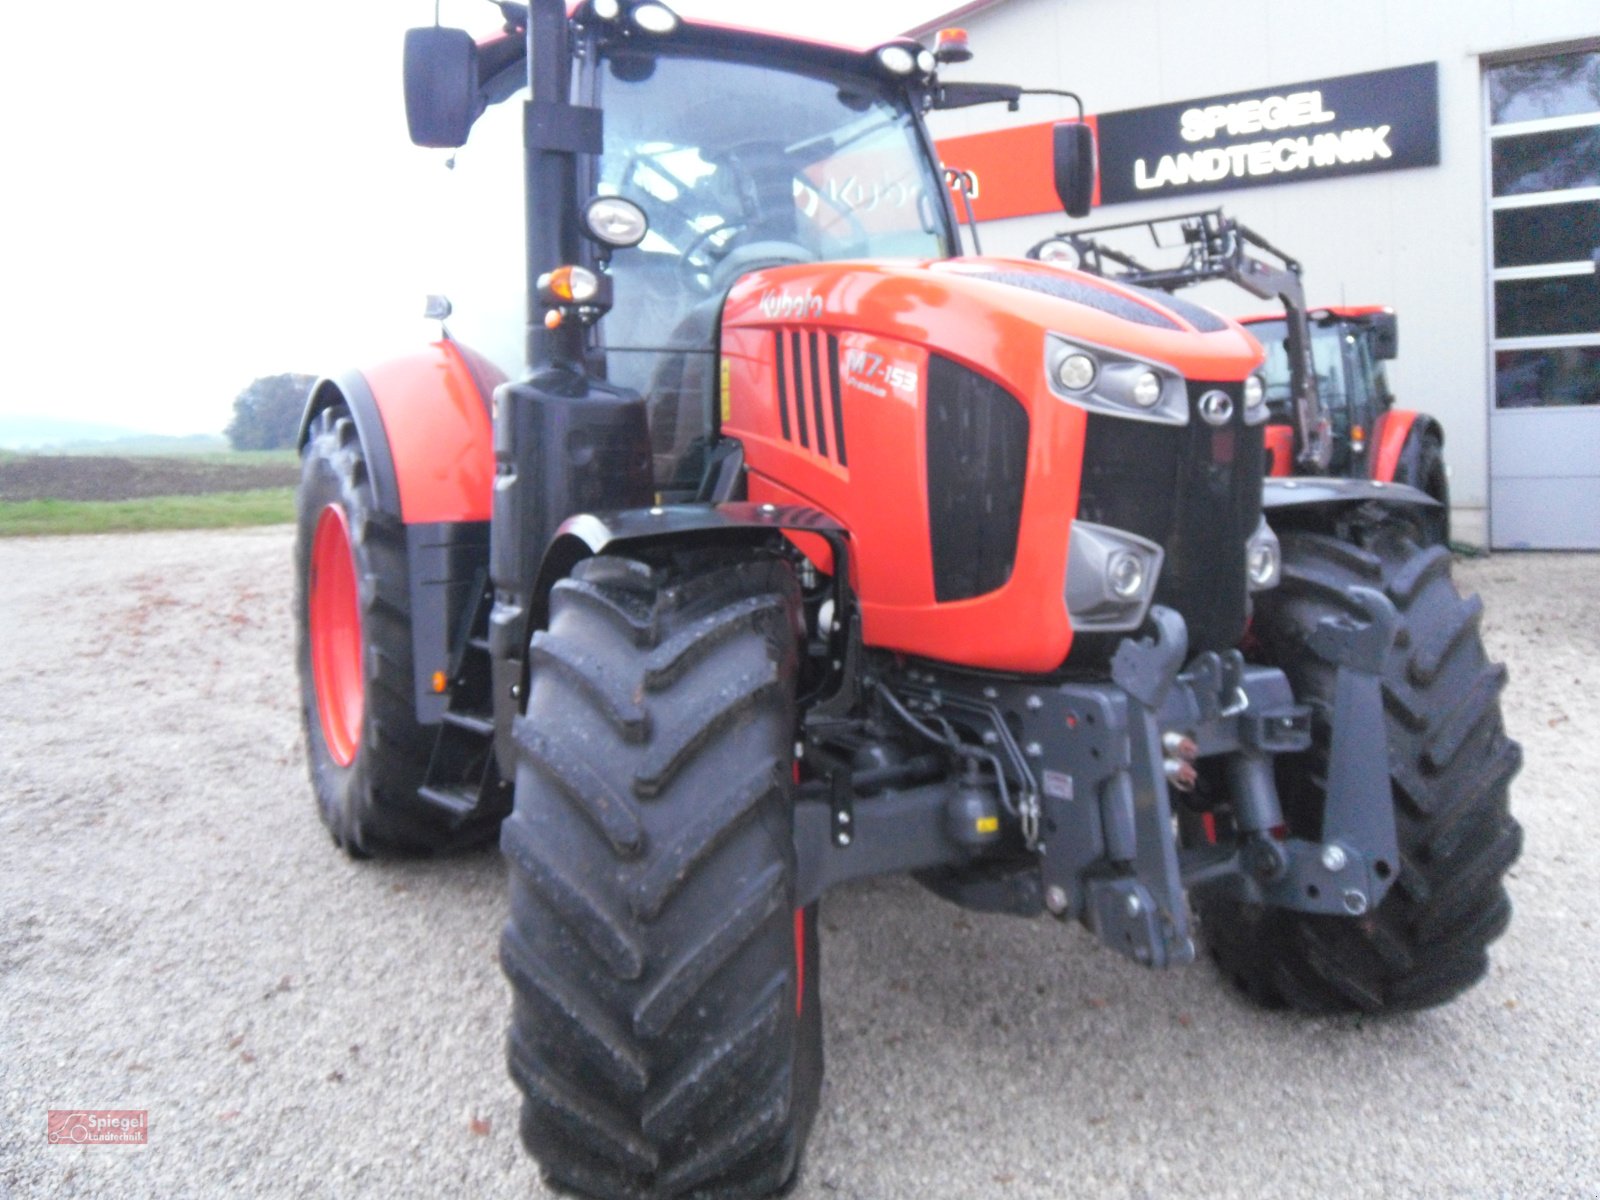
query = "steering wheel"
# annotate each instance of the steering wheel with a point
(697, 264)
(753, 256)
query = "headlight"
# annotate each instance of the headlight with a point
(1125, 574)
(1255, 400)
(1263, 559)
(1075, 372)
(1254, 391)
(1115, 383)
(1147, 389)
(614, 221)
(1060, 252)
(1111, 577)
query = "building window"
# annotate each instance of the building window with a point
(1544, 172)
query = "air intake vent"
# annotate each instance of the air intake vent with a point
(977, 452)
(810, 407)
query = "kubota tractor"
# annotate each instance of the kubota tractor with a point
(805, 549)
(1331, 409)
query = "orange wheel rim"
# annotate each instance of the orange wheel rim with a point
(335, 619)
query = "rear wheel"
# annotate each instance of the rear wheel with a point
(1450, 765)
(666, 1031)
(368, 755)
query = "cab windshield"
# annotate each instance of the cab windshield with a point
(1327, 353)
(740, 166)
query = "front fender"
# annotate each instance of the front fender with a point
(1399, 438)
(1307, 493)
(632, 530)
(588, 534)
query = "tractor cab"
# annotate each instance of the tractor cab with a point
(722, 152)
(1349, 347)
(767, 163)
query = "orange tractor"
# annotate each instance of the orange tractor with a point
(805, 549)
(1330, 400)
(1332, 409)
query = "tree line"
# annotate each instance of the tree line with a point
(266, 415)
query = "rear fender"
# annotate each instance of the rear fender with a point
(425, 428)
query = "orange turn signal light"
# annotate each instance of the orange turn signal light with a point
(439, 681)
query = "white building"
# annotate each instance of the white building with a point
(1485, 250)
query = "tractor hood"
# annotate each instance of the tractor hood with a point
(994, 314)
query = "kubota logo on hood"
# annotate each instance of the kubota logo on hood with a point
(778, 306)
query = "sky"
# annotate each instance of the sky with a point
(199, 193)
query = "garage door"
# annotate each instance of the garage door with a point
(1544, 430)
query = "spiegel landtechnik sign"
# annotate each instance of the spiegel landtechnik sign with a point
(1349, 125)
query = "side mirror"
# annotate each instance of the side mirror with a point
(1073, 146)
(1385, 335)
(441, 73)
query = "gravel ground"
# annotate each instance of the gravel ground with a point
(178, 935)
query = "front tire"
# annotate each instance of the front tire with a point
(1450, 765)
(367, 754)
(666, 1032)
(1422, 467)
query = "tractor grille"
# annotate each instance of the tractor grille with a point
(810, 408)
(977, 450)
(1195, 490)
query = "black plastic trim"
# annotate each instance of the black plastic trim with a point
(976, 443)
(838, 398)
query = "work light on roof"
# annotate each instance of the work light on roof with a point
(606, 10)
(897, 59)
(655, 18)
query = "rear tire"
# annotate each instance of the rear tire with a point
(1450, 765)
(666, 1031)
(367, 754)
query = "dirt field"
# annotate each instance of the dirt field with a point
(105, 477)
(178, 935)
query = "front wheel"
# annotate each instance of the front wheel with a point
(666, 1032)
(1450, 764)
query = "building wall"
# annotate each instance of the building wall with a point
(1414, 239)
